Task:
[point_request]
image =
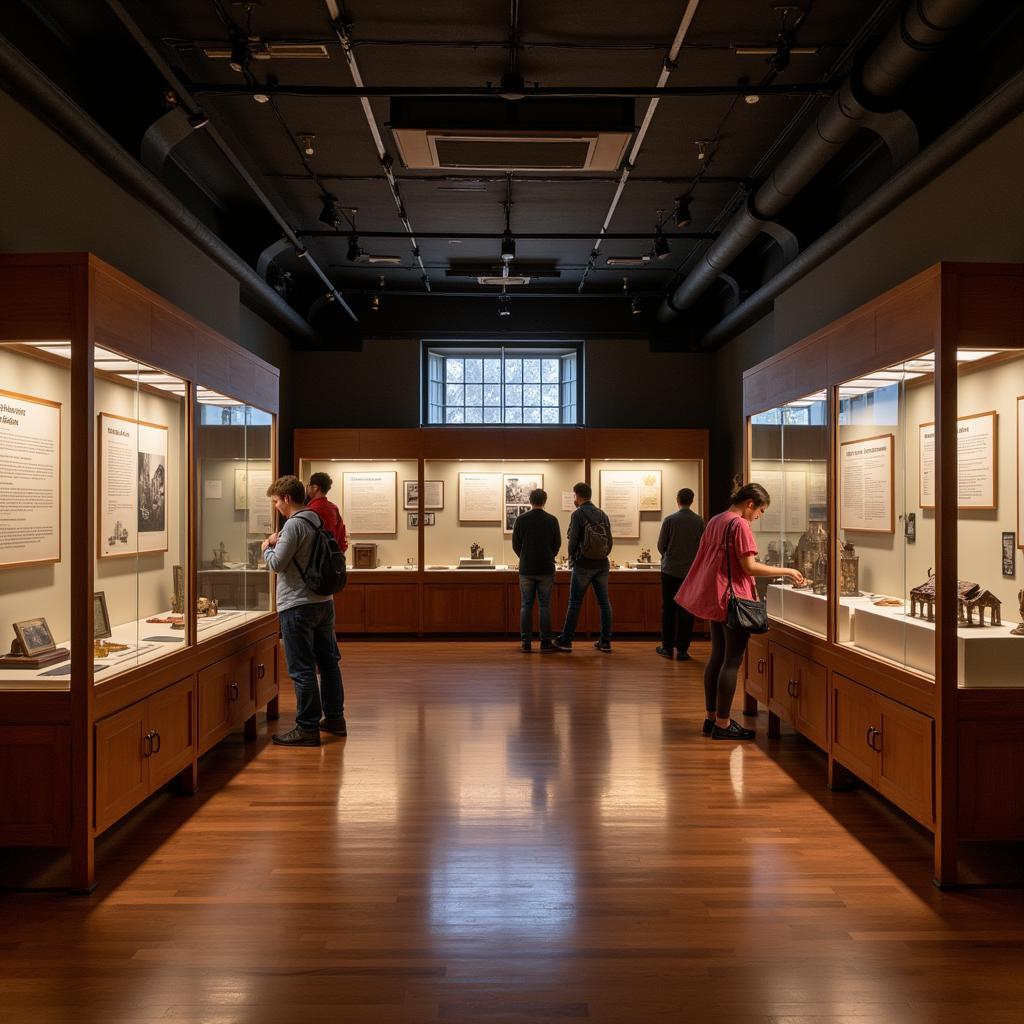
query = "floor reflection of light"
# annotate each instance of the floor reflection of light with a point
(736, 772)
(482, 885)
(636, 789)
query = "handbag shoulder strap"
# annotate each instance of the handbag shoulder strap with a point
(728, 561)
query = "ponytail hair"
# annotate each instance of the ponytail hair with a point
(751, 492)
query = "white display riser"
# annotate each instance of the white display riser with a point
(807, 610)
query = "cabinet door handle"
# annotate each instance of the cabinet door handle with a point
(147, 745)
(878, 736)
(791, 689)
(760, 666)
(871, 731)
(233, 691)
(156, 742)
(261, 671)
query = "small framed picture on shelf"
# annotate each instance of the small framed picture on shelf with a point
(1009, 555)
(428, 518)
(412, 520)
(100, 619)
(35, 637)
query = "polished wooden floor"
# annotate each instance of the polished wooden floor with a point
(506, 837)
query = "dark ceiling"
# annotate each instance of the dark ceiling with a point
(90, 53)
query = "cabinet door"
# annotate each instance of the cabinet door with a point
(627, 601)
(854, 713)
(243, 700)
(781, 681)
(811, 706)
(215, 702)
(905, 759)
(392, 608)
(442, 608)
(122, 769)
(350, 609)
(170, 717)
(757, 668)
(266, 670)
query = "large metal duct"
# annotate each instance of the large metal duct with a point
(923, 25)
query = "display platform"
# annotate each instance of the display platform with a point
(805, 609)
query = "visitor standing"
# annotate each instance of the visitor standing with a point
(727, 548)
(317, 489)
(536, 539)
(677, 544)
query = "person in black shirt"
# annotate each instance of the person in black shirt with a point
(678, 542)
(536, 538)
(590, 542)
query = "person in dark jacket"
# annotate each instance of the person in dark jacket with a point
(677, 544)
(536, 538)
(588, 569)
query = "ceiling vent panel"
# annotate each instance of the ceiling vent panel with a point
(490, 134)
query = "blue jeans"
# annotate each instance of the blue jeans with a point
(310, 644)
(529, 588)
(582, 578)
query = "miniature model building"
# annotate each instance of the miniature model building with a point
(849, 572)
(980, 601)
(811, 555)
(969, 596)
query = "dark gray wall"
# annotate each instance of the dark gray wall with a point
(973, 211)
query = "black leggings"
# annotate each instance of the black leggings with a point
(727, 647)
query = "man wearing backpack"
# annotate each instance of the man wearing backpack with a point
(590, 543)
(306, 617)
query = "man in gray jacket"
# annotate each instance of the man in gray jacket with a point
(307, 620)
(677, 543)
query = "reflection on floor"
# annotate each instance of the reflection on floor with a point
(510, 837)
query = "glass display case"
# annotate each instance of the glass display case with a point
(378, 500)
(235, 469)
(789, 458)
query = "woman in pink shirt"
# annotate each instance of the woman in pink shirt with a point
(705, 594)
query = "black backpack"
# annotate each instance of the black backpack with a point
(596, 542)
(325, 572)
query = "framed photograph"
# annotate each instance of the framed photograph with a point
(1009, 555)
(412, 520)
(516, 488)
(410, 494)
(428, 518)
(34, 636)
(100, 619)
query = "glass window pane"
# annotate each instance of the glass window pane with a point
(492, 415)
(492, 394)
(550, 392)
(513, 370)
(531, 415)
(513, 394)
(549, 415)
(453, 416)
(549, 372)
(455, 394)
(531, 394)
(474, 394)
(531, 371)
(474, 414)
(474, 371)
(514, 415)
(492, 371)
(453, 370)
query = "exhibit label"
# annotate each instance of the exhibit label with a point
(975, 462)
(866, 485)
(370, 502)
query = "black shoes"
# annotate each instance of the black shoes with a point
(664, 652)
(526, 647)
(734, 731)
(546, 646)
(604, 646)
(709, 724)
(562, 645)
(336, 726)
(681, 656)
(298, 737)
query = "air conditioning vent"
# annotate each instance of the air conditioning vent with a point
(512, 281)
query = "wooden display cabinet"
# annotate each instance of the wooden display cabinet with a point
(78, 752)
(905, 720)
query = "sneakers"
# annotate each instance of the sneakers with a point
(526, 647)
(336, 726)
(664, 652)
(298, 737)
(604, 646)
(562, 645)
(709, 724)
(734, 731)
(546, 646)
(681, 656)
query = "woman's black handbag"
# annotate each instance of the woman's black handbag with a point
(742, 614)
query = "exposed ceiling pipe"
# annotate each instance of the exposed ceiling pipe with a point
(921, 27)
(320, 233)
(27, 84)
(340, 26)
(666, 70)
(971, 130)
(218, 140)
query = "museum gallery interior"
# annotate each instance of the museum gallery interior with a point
(447, 254)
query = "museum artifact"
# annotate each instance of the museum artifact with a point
(170, 620)
(254, 555)
(220, 554)
(207, 607)
(475, 551)
(178, 599)
(364, 556)
(103, 648)
(888, 602)
(969, 596)
(100, 619)
(849, 571)
(33, 646)
(1018, 630)
(813, 543)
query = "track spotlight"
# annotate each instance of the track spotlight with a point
(662, 249)
(354, 252)
(634, 306)
(508, 247)
(504, 305)
(329, 214)
(240, 55)
(702, 149)
(681, 214)
(198, 120)
(375, 304)
(306, 143)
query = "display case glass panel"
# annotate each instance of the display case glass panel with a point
(482, 500)
(885, 548)
(141, 466)
(789, 458)
(235, 515)
(990, 517)
(378, 500)
(35, 509)
(637, 494)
